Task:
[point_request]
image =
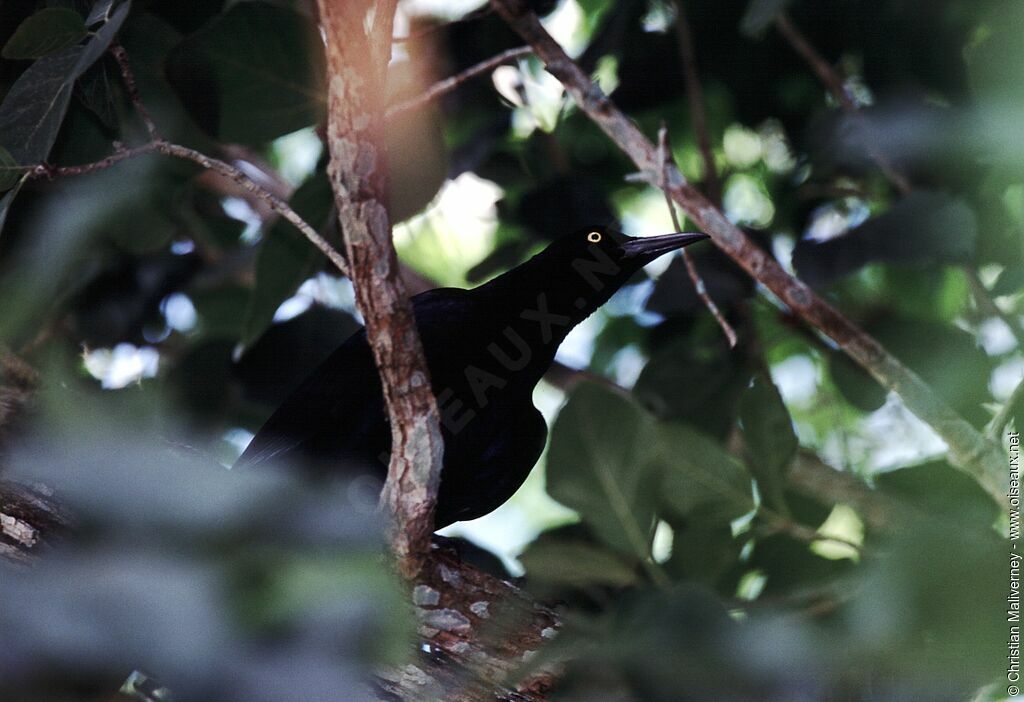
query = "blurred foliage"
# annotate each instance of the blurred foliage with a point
(696, 568)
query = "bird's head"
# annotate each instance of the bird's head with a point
(628, 252)
(578, 272)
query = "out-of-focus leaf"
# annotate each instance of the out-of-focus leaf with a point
(34, 107)
(937, 603)
(218, 311)
(760, 15)
(617, 466)
(697, 383)
(600, 464)
(790, 565)
(417, 155)
(1010, 281)
(576, 564)
(770, 440)
(931, 350)
(859, 388)
(703, 553)
(941, 490)
(10, 171)
(49, 30)
(924, 228)
(285, 257)
(700, 477)
(261, 69)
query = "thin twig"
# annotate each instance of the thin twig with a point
(128, 78)
(695, 97)
(449, 84)
(50, 172)
(691, 268)
(274, 202)
(1005, 414)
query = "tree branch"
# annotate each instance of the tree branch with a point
(1005, 414)
(357, 64)
(969, 450)
(449, 84)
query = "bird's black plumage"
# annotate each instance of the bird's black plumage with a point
(486, 349)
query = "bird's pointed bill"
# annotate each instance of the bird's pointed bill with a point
(653, 246)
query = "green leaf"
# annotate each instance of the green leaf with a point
(286, 258)
(700, 477)
(600, 465)
(703, 553)
(34, 108)
(771, 442)
(10, 171)
(694, 382)
(760, 15)
(260, 70)
(576, 563)
(618, 466)
(45, 32)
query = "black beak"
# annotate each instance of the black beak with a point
(650, 247)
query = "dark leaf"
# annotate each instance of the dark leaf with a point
(695, 383)
(770, 440)
(699, 476)
(576, 564)
(600, 464)
(790, 565)
(33, 109)
(760, 15)
(702, 553)
(49, 30)
(218, 311)
(941, 490)
(263, 68)
(924, 228)
(931, 350)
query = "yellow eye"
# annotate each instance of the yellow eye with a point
(594, 237)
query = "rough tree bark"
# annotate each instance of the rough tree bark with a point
(969, 449)
(358, 35)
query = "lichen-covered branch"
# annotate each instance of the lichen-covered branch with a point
(357, 57)
(969, 449)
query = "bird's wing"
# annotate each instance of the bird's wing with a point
(339, 402)
(339, 409)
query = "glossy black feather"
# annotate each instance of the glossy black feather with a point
(486, 349)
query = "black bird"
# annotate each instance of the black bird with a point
(486, 349)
